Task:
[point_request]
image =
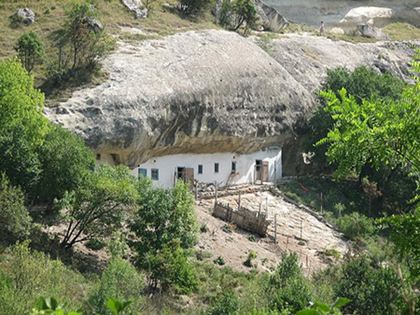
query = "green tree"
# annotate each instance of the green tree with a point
(164, 215)
(99, 206)
(121, 281)
(288, 288)
(65, 161)
(237, 13)
(86, 43)
(31, 50)
(22, 126)
(14, 217)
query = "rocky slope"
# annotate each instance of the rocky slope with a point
(211, 91)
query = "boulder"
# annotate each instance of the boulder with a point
(23, 15)
(371, 32)
(137, 7)
(93, 24)
(368, 15)
(212, 91)
(270, 18)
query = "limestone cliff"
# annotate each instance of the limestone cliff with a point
(210, 91)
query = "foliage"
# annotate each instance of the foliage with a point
(31, 50)
(371, 291)
(375, 131)
(49, 306)
(22, 125)
(99, 206)
(163, 215)
(116, 306)
(227, 304)
(95, 244)
(356, 225)
(66, 163)
(362, 83)
(405, 233)
(14, 217)
(237, 13)
(288, 288)
(194, 7)
(170, 267)
(121, 281)
(25, 275)
(248, 262)
(321, 308)
(86, 44)
(219, 260)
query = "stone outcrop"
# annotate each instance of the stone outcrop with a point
(371, 32)
(270, 18)
(135, 6)
(211, 91)
(23, 15)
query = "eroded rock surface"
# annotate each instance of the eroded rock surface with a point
(211, 91)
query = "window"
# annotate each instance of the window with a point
(216, 167)
(155, 174)
(142, 172)
(233, 166)
(200, 169)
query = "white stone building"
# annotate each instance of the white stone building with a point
(223, 168)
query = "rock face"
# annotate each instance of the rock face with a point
(210, 91)
(332, 11)
(24, 15)
(270, 18)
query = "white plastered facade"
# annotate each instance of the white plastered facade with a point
(245, 167)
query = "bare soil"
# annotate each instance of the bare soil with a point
(297, 231)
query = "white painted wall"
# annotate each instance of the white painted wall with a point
(245, 165)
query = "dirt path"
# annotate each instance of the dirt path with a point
(297, 231)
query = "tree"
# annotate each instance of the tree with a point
(98, 207)
(31, 50)
(86, 43)
(165, 215)
(236, 13)
(14, 217)
(362, 83)
(65, 162)
(22, 126)
(288, 288)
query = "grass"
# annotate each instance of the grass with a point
(402, 31)
(50, 16)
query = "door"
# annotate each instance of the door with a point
(186, 174)
(264, 175)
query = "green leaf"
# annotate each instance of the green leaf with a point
(340, 302)
(322, 307)
(308, 312)
(115, 306)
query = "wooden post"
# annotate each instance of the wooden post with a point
(321, 202)
(239, 201)
(287, 243)
(301, 228)
(275, 228)
(259, 211)
(266, 207)
(196, 190)
(215, 194)
(339, 210)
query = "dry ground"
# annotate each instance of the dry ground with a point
(297, 231)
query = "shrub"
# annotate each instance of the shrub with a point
(95, 244)
(248, 262)
(26, 275)
(194, 7)
(356, 225)
(227, 304)
(121, 281)
(31, 50)
(237, 13)
(219, 261)
(14, 217)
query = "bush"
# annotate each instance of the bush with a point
(219, 261)
(356, 225)
(288, 288)
(14, 217)
(31, 50)
(237, 13)
(26, 275)
(248, 262)
(121, 281)
(227, 304)
(194, 7)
